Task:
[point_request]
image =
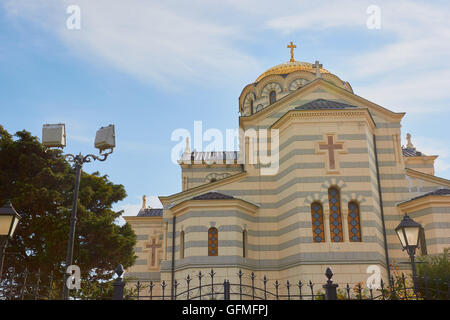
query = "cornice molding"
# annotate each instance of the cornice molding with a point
(427, 177)
(189, 193)
(337, 114)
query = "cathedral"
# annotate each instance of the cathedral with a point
(342, 183)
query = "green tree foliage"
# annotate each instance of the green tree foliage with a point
(40, 186)
(434, 276)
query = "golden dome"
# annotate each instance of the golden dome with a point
(289, 67)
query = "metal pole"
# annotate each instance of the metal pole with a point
(3, 245)
(73, 221)
(414, 270)
(173, 255)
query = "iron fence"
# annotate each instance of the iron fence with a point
(37, 285)
(207, 286)
(211, 289)
(399, 287)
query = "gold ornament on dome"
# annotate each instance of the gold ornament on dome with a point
(291, 66)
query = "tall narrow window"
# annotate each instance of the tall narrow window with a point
(213, 242)
(317, 222)
(272, 97)
(334, 201)
(422, 242)
(244, 243)
(251, 107)
(354, 224)
(181, 245)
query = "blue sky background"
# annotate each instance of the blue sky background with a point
(150, 67)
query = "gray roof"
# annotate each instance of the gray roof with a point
(150, 212)
(411, 152)
(323, 104)
(212, 196)
(210, 156)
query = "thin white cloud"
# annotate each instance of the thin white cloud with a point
(422, 94)
(145, 39)
(410, 70)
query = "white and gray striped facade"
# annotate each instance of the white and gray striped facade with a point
(274, 211)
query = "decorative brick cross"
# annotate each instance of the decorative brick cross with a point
(330, 146)
(153, 246)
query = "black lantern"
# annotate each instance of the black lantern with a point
(408, 232)
(9, 218)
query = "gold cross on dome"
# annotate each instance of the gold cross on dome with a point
(292, 46)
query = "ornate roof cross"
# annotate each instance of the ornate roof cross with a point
(330, 146)
(144, 202)
(317, 65)
(292, 46)
(153, 246)
(409, 145)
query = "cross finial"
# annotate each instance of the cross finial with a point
(188, 146)
(317, 65)
(292, 46)
(144, 202)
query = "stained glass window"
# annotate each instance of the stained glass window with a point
(354, 225)
(272, 97)
(181, 244)
(317, 222)
(335, 215)
(213, 242)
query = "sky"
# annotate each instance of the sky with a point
(152, 67)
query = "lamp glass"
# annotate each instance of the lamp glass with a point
(412, 236)
(5, 224)
(14, 226)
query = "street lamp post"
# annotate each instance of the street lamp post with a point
(408, 233)
(54, 135)
(9, 218)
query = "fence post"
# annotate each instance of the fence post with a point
(119, 284)
(226, 290)
(330, 287)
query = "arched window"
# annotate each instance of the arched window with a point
(334, 201)
(213, 242)
(354, 224)
(317, 222)
(182, 245)
(244, 243)
(272, 96)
